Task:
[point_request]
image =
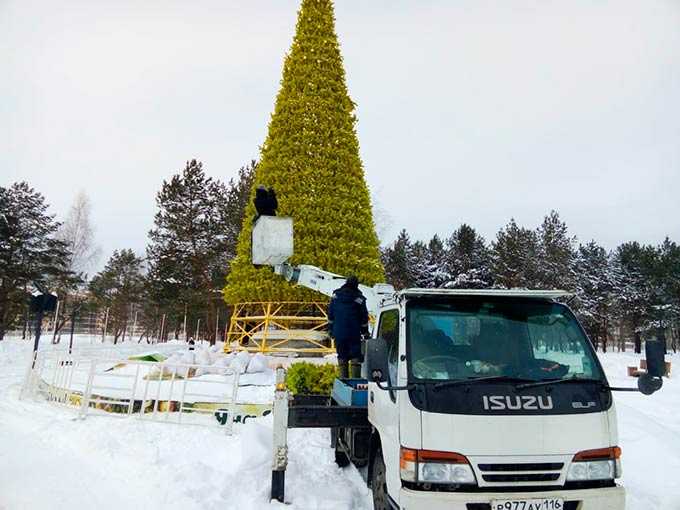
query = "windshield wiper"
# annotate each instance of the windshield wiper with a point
(473, 380)
(548, 382)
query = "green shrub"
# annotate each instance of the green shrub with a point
(309, 379)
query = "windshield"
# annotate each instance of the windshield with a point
(522, 339)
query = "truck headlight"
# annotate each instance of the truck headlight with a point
(427, 466)
(600, 464)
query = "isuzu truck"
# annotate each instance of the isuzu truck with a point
(472, 400)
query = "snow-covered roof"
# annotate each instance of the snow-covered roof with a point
(517, 293)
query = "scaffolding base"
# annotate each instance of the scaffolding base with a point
(280, 327)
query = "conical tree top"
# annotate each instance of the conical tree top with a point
(311, 158)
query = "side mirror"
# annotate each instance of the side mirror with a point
(652, 381)
(376, 360)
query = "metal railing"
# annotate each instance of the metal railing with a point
(105, 381)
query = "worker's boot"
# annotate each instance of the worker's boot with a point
(343, 369)
(354, 369)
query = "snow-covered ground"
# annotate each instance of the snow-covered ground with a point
(50, 459)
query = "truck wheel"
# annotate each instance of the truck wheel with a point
(378, 483)
(341, 458)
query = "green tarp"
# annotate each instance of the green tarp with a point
(148, 357)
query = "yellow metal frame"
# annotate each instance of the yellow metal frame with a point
(290, 326)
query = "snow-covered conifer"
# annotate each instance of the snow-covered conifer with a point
(117, 287)
(556, 254)
(29, 249)
(515, 257)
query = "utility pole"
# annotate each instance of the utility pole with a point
(198, 326)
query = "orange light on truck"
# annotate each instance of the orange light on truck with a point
(613, 453)
(430, 466)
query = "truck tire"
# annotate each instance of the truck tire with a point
(341, 458)
(378, 483)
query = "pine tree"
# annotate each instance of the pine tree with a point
(419, 265)
(238, 194)
(311, 158)
(556, 254)
(29, 249)
(468, 260)
(117, 287)
(669, 263)
(634, 295)
(660, 265)
(597, 285)
(436, 261)
(515, 257)
(398, 262)
(189, 244)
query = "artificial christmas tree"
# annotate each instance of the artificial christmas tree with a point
(311, 158)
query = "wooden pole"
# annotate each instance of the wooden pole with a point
(134, 325)
(73, 327)
(198, 326)
(185, 322)
(162, 328)
(106, 325)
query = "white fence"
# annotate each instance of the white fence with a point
(100, 380)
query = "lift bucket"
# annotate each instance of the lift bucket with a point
(272, 240)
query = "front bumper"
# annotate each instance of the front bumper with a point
(610, 498)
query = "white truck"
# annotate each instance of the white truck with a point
(474, 400)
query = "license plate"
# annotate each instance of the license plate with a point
(527, 504)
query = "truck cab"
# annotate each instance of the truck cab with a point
(488, 400)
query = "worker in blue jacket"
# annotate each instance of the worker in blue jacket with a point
(348, 321)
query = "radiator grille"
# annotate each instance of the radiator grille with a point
(521, 472)
(522, 477)
(535, 466)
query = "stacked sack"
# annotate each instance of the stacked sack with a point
(212, 361)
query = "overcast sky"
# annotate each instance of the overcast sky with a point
(469, 111)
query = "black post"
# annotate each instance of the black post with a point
(278, 485)
(40, 304)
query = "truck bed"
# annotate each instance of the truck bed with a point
(347, 407)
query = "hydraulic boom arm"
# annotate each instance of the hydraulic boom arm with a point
(326, 282)
(272, 245)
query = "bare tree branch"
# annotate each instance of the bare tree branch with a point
(77, 231)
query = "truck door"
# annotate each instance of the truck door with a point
(383, 409)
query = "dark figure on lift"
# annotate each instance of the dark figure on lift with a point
(265, 202)
(348, 321)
